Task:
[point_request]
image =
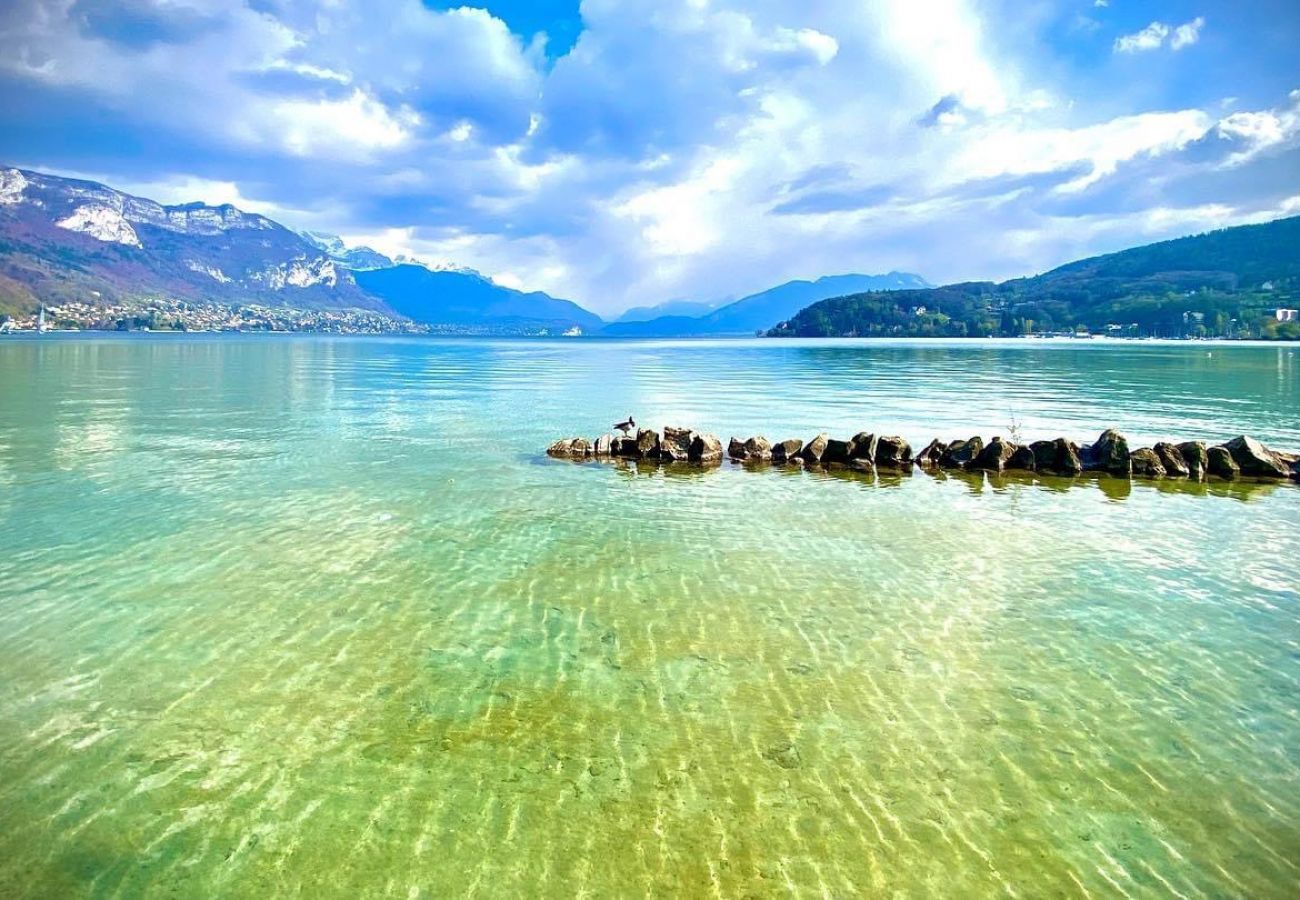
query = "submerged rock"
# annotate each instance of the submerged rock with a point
(1172, 459)
(1196, 457)
(1109, 454)
(960, 454)
(1145, 463)
(893, 452)
(787, 451)
(562, 447)
(813, 450)
(1254, 459)
(995, 456)
(1221, 464)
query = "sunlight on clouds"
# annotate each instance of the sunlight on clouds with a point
(328, 127)
(1158, 34)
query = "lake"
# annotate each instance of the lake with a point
(316, 616)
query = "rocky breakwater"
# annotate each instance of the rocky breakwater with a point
(673, 445)
(1109, 456)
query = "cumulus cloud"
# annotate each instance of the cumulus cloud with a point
(1158, 34)
(678, 149)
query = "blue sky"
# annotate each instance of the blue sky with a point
(626, 152)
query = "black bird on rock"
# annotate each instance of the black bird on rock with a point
(626, 427)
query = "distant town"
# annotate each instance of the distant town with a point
(182, 316)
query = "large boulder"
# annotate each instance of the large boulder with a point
(892, 452)
(705, 448)
(675, 444)
(1023, 459)
(1171, 458)
(837, 451)
(995, 456)
(787, 451)
(931, 453)
(1145, 463)
(647, 443)
(1059, 456)
(1254, 459)
(864, 446)
(736, 449)
(960, 454)
(1196, 457)
(1109, 454)
(625, 447)
(580, 447)
(759, 448)
(1221, 464)
(603, 446)
(813, 451)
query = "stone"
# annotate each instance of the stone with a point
(736, 449)
(862, 465)
(1145, 463)
(603, 446)
(580, 447)
(1254, 459)
(759, 448)
(960, 454)
(1172, 460)
(995, 456)
(892, 452)
(1221, 464)
(864, 447)
(787, 451)
(647, 443)
(1060, 456)
(563, 447)
(931, 453)
(1196, 458)
(813, 450)
(1023, 459)
(626, 448)
(675, 444)
(705, 448)
(1109, 454)
(837, 451)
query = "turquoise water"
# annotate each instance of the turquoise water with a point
(311, 616)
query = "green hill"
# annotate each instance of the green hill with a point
(1226, 283)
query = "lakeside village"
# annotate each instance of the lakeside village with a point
(181, 316)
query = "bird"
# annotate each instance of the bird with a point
(627, 426)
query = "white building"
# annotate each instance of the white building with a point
(1286, 315)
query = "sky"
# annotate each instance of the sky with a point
(630, 152)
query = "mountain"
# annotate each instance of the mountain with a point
(1225, 283)
(687, 308)
(761, 311)
(63, 239)
(467, 299)
(348, 257)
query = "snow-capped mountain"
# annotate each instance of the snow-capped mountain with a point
(66, 239)
(355, 258)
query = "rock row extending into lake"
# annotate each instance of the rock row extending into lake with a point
(1241, 457)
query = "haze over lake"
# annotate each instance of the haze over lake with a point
(297, 615)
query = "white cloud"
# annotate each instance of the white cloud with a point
(1150, 38)
(1158, 34)
(1187, 34)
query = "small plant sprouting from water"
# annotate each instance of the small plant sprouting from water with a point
(1013, 430)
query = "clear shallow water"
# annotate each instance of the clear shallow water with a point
(315, 617)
